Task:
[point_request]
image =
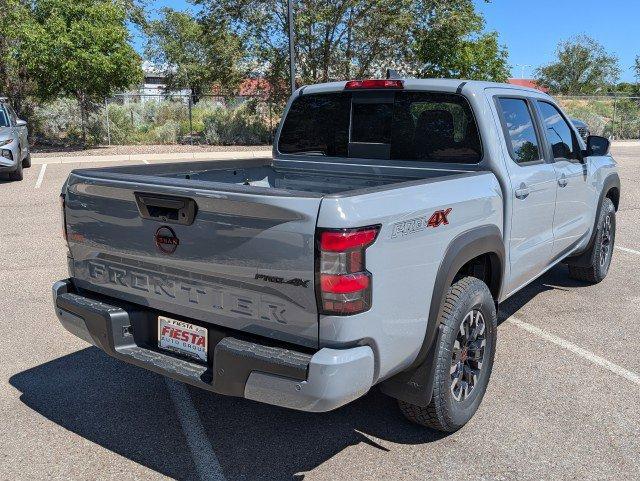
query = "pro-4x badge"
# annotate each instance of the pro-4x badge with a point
(412, 226)
(439, 218)
(281, 280)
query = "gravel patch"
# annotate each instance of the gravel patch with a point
(141, 149)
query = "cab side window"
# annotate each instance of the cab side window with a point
(519, 129)
(559, 134)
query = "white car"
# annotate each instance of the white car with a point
(14, 144)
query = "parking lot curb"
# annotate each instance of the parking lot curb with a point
(200, 156)
(625, 143)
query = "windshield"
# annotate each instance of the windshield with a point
(420, 126)
(4, 118)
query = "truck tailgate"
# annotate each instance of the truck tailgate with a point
(245, 262)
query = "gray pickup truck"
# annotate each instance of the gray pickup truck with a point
(371, 249)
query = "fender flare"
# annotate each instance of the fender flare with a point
(415, 384)
(582, 259)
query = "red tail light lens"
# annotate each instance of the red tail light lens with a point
(339, 241)
(344, 282)
(374, 84)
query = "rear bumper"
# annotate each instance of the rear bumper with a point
(322, 381)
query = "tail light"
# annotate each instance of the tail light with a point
(344, 282)
(374, 84)
(63, 216)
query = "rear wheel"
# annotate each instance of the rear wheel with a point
(464, 358)
(600, 254)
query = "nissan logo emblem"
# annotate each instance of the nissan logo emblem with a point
(166, 240)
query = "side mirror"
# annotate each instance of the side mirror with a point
(21, 123)
(597, 145)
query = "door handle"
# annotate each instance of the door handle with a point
(522, 192)
(562, 181)
(166, 209)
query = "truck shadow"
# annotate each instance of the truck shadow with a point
(130, 412)
(555, 279)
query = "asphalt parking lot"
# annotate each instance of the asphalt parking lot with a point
(563, 402)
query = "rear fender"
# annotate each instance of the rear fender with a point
(415, 385)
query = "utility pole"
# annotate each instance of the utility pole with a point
(522, 67)
(292, 52)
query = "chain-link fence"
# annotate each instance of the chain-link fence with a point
(158, 119)
(613, 116)
(216, 120)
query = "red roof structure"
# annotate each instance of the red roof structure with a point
(527, 82)
(249, 87)
(254, 86)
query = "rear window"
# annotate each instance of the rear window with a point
(420, 126)
(518, 123)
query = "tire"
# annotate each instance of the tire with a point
(601, 252)
(451, 407)
(26, 163)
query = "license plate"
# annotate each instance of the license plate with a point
(182, 337)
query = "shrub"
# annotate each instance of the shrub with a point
(241, 125)
(166, 133)
(59, 122)
(622, 122)
(121, 129)
(151, 122)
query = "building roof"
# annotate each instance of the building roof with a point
(254, 86)
(529, 83)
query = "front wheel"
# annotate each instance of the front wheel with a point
(601, 252)
(26, 163)
(464, 358)
(17, 174)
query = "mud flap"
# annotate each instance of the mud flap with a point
(415, 386)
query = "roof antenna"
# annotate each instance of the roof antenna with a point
(392, 74)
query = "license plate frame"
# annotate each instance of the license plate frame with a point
(184, 338)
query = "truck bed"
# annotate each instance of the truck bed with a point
(230, 243)
(251, 174)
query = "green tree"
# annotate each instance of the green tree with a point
(194, 55)
(15, 82)
(636, 68)
(527, 152)
(450, 41)
(342, 39)
(82, 49)
(583, 66)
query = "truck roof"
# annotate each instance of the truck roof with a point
(439, 85)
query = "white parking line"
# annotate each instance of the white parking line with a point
(204, 458)
(583, 353)
(145, 161)
(630, 251)
(41, 175)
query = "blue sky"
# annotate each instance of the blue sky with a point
(532, 29)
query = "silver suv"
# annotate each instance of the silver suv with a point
(14, 144)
